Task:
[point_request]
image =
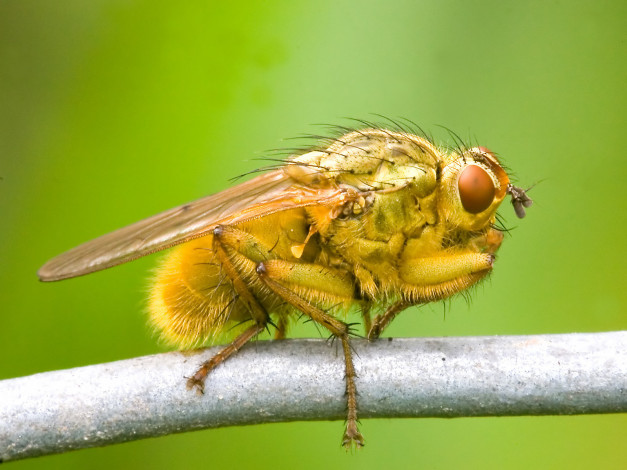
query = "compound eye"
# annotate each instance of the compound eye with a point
(476, 189)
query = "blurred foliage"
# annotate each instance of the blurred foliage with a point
(111, 111)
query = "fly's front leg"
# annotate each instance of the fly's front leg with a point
(437, 270)
(382, 321)
(365, 315)
(425, 279)
(281, 327)
(228, 245)
(290, 281)
(433, 278)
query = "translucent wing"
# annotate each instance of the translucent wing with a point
(263, 195)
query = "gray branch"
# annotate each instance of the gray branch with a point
(297, 380)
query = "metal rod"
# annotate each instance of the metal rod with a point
(294, 380)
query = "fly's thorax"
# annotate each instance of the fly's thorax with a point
(283, 235)
(473, 185)
(369, 160)
(405, 211)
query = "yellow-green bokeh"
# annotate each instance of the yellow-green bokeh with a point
(111, 111)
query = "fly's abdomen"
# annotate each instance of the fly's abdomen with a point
(191, 298)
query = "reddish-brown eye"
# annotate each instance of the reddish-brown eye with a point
(476, 189)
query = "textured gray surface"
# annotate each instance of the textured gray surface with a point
(303, 380)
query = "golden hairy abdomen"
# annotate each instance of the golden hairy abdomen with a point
(192, 300)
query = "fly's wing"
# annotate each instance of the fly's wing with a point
(263, 195)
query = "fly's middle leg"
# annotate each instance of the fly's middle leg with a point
(292, 281)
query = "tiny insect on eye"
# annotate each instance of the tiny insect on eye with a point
(476, 189)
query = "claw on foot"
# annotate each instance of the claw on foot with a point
(197, 381)
(352, 436)
(374, 333)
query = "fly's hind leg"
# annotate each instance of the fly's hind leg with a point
(289, 281)
(198, 379)
(223, 242)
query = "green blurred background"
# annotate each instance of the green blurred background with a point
(111, 111)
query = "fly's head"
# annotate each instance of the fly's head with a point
(473, 186)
